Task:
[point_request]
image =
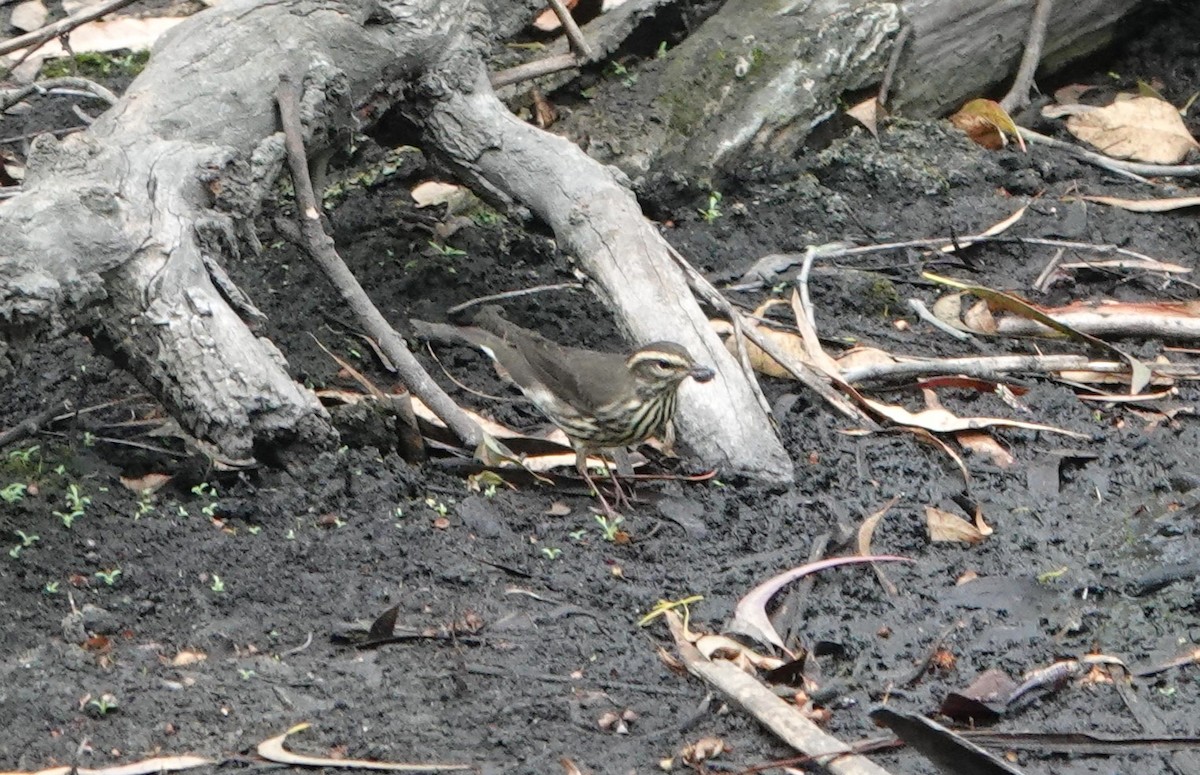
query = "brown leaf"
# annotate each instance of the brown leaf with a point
(435, 192)
(984, 445)
(1143, 129)
(944, 526)
(987, 124)
(151, 482)
(1163, 205)
(703, 749)
(868, 113)
(185, 658)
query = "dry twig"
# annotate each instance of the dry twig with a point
(1018, 95)
(771, 711)
(40, 37)
(320, 246)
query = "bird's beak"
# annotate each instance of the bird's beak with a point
(701, 373)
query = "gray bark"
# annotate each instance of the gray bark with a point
(125, 227)
(752, 82)
(959, 50)
(597, 219)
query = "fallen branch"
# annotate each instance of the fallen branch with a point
(320, 248)
(771, 711)
(1128, 168)
(61, 27)
(995, 367)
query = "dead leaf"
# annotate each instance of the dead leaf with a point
(858, 357)
(272, 750)
(750, 614)
(984, 445)
(987, 124)
(703, 749)
(148, 483)
(185, 658)
(435, 192)
(547, 20)
(28, 16)
(570, 767)
(1139, 264)
(866, 531)
(944, 526)
(558, 509)
(1139, 375)
(1147, 205)
(869, 113)
(944, 421)
(994, 230)
(1070, 94)
(785, 341)
(983, 527)
(1143, 129)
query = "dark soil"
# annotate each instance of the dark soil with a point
(532, 617)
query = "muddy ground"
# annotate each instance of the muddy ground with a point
(534, 614)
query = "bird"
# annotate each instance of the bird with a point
(600, 400)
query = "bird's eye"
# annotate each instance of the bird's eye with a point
(664, 364)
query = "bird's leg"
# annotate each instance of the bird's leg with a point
(581, 466)
(618, 491)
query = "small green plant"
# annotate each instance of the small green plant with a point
(618, 70)
(145, 504)
(217, 585)
(27, 541)
(254, 529)
(206, 490)
(14, 493)
(577, 535)
(91, 64)
(610, 527)
(25, 456)
(551, 553)
(89, 439)
(713, 211)
(441, 508)
(661, 51)
(109, 577)
(50, 588)
(446, 250)
(77, 504)
(104, 704)
(246, 673)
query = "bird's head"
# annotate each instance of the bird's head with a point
(661, 366)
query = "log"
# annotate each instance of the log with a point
(123, 230)
(770, 76)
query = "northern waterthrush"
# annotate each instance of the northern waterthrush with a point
(600, 400)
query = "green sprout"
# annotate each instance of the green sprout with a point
(218, 584)
(446, 250)
(551, 553)
(109, 577)
(104, 704)
(610, 528)
(77, 502)
(713, 211)
(13, 493)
